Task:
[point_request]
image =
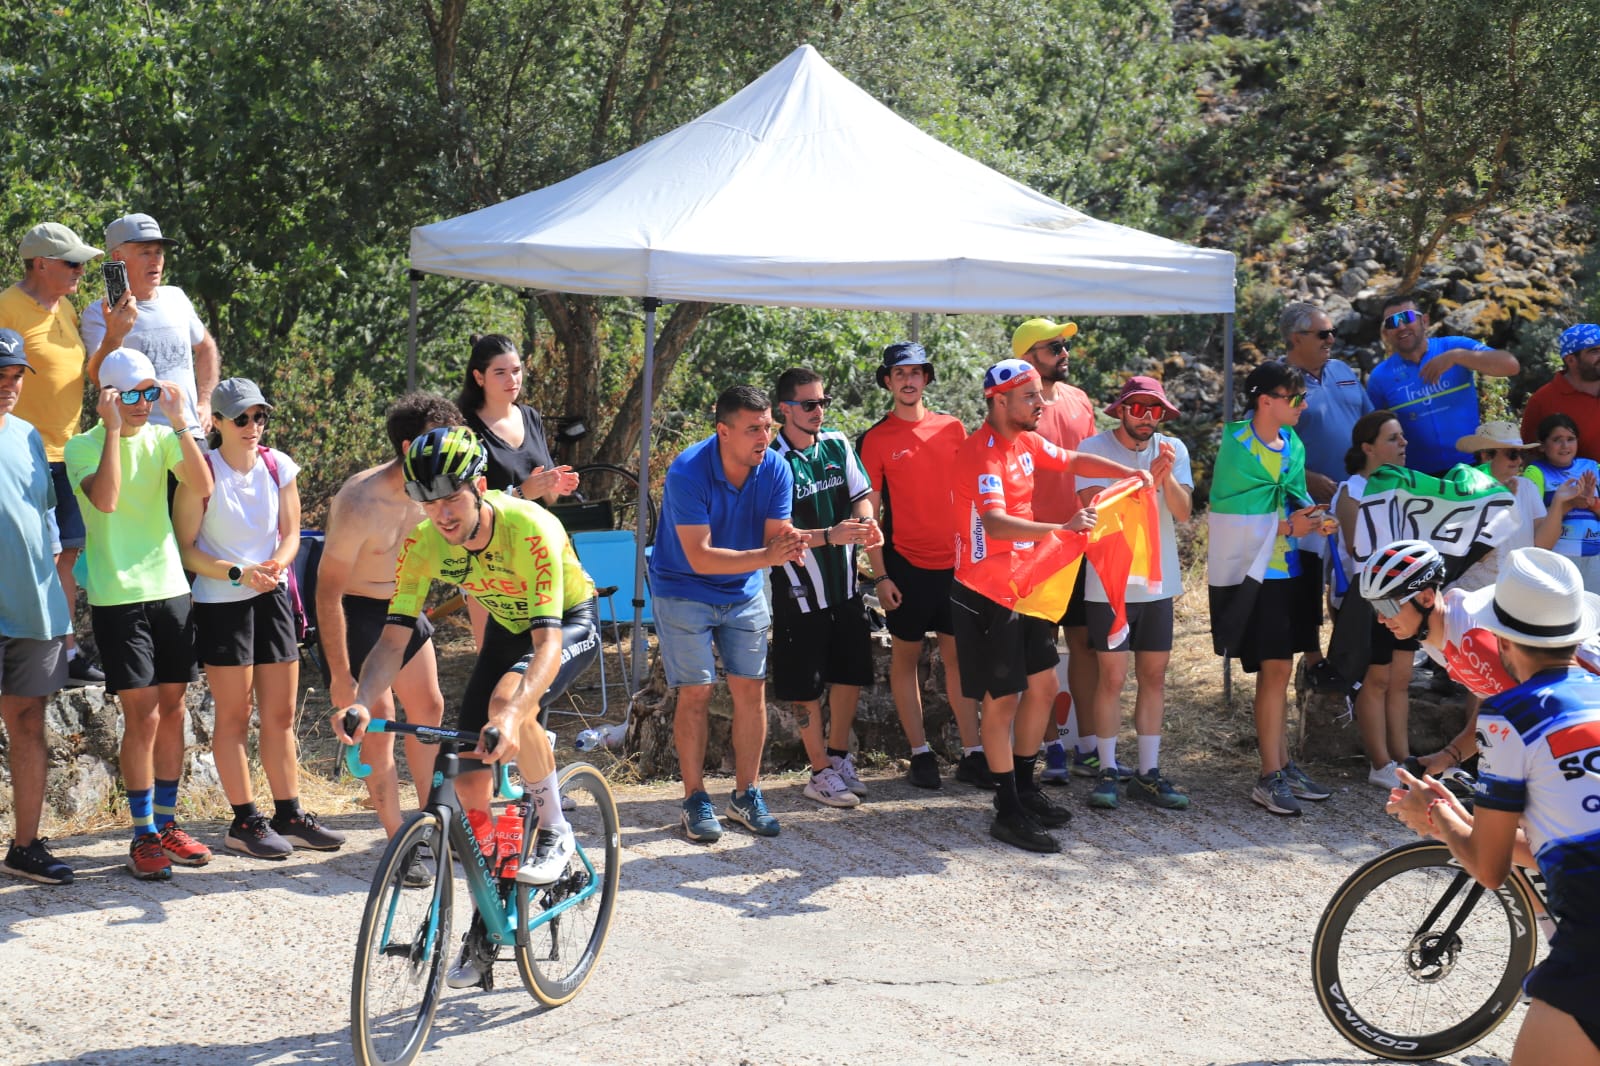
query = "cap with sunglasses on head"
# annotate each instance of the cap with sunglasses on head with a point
(235, 396)
(1035, 330)
(1141, 386)
(52, 240)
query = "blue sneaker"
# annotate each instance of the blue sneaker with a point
(1056, 771)
(699, 820)
(750, 810)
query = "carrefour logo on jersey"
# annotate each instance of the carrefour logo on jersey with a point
(988, 483)
(1027, 463)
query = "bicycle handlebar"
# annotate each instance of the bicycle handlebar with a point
(430, 734)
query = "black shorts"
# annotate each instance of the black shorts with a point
(250, 632)
(1283, 622)
(146, 644)
(924, 598)
(1568, 981)
(1149, 626)
(1309, 582)
(813, 649)
(364, 619)
(506, 652)
(997, 649)
(1078, 607)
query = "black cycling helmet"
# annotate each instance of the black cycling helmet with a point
(1396, 572)
(904, 353)
(443, 459)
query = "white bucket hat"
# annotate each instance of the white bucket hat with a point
(1538, 600)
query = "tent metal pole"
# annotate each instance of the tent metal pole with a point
(650, 305)
(1227, 416)
(916, 328)
(411, 334)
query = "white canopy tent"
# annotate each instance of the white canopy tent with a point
(803, 191)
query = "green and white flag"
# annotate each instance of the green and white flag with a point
(1465, 515)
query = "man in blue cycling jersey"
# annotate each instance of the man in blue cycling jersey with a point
(1538, 796)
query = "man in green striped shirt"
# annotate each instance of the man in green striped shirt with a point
(820, 633)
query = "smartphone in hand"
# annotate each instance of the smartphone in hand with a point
(116, 274)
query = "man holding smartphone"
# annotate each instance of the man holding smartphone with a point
(153, 318)
(53, 261)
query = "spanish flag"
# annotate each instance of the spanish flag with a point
(1123, 547)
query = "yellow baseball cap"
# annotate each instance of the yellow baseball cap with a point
(1035, 330)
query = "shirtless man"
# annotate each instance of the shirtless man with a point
(367, 522)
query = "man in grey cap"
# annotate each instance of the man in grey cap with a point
(33, 618)
(37, 308)
(153, 318)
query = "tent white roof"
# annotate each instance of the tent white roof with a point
(804, 191)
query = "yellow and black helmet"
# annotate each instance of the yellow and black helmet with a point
(442, 460)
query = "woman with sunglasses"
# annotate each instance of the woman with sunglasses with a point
(1499, 451)
(1259, 511)
(1382, 703)
(511, 431)
(1557, 466)
(240, 542)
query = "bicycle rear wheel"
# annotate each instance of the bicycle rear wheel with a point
(400, 955)
(1413, 960)
(619, 486)
(556, 958)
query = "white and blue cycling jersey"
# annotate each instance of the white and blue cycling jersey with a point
(1540, 745)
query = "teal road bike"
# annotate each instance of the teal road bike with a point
(554, 932)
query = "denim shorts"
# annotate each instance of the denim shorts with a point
(688, 630)
(69, 520)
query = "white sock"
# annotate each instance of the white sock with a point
(972, 751)
(1108, 752)
(1149, 753)
(547, 803)
(1088, 743)
(72, 653)
(921, 749)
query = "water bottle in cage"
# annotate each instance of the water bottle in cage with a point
(508, 834)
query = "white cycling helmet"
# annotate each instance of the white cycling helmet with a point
(1398, 571)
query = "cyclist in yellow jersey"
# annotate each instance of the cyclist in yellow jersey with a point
(514, 557)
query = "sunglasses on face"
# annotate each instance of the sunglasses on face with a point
(1320, 334)
(1056, 347)
(133, 396)
(811, 405)
(1152, 411)
(73, 264)
(1297, 399)
(1401, 318)
(260, 418)
(1516, 455)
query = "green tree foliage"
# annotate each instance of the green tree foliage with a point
(1443, 108)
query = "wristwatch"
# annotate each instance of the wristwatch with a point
(235, 572)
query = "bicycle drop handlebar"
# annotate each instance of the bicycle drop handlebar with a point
(429, 734)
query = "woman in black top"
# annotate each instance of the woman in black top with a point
(513, 433)
(519, 455)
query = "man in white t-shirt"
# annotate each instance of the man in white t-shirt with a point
(1134, 442)
(153, 318)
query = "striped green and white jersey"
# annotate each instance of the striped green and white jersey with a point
(828, 480)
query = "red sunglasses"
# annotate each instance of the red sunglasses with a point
(1153, 411)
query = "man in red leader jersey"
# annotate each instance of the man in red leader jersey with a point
(1067, 421)
(1008, 660)
(907, 456)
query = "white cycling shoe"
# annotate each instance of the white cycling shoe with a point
(552, 850)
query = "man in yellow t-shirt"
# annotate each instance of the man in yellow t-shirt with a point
(53, 260)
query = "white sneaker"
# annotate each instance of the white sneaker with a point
(828, 789)
(1384, 776)
(465, 973)
(845, 767)
(552, 850)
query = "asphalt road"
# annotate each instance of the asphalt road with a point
(897, 931)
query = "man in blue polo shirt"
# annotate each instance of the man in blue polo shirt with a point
(725, 519)
(1429, 384)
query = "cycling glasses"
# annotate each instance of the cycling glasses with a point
(1153, 411)
(811, 405)
(133, 396)
(260, 418)
(1401, 318)
(438, 487)
(1320, 334)
(1297, 399)
(1389, 607)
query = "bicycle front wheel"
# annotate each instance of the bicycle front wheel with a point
(619, 486)
(400, 955)
(1414, 960)
(556, 956)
